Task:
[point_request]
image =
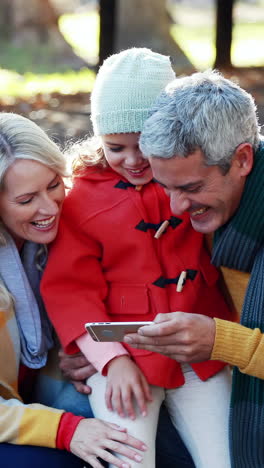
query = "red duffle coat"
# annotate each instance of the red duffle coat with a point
(106, 265)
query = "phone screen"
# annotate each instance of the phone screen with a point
(113, 331)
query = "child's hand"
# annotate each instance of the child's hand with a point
(125, 381)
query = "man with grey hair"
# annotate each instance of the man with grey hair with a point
(204, 145)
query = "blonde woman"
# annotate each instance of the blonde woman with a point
(31, 197)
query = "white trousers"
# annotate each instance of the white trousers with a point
(199, 411)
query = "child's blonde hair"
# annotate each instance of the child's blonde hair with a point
(86, 153)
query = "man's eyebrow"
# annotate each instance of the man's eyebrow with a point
(180, 187)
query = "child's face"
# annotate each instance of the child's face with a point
(124, 157)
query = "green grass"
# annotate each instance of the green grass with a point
(12, 84)
(248, 45)
(198, 44)
(17, 80)
(82, 33)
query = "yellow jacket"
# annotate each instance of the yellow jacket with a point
(21, 424)
(238, 345)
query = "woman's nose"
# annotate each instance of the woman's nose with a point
(48, 206)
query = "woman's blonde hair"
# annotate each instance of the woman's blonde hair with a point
(20, 138)
(6, 299)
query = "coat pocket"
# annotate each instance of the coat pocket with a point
(129, 300)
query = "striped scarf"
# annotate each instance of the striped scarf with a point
(240, 245)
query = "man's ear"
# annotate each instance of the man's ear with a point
(244, 158)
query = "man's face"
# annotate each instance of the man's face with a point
(208, 195)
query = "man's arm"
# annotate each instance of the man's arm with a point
(240, 346)
(182, 336)
(194, 338)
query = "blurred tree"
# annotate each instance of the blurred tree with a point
(224, 26)
(5, 19)
(107, 12)
(141, 23)
(37, 24)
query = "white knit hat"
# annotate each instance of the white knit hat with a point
(125, 88)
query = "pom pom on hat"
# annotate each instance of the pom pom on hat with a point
(125, 88)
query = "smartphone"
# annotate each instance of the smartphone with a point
(112, 331)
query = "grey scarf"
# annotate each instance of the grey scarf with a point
(21, 277)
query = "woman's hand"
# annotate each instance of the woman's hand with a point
(95, 439)
(77, 369)
(126, 382)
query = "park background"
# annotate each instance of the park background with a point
(50, 50)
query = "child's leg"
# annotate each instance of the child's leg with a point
(170, 449)
(143, 428)
(200, 411)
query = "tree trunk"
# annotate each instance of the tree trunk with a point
(33, 22)
(146, 23)
(5, 20)
(107, 11)
(224, 26)
(37, 24)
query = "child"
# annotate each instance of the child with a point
(120, 255)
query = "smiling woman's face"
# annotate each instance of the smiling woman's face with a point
(31, 202)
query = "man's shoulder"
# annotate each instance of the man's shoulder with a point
(260, 149)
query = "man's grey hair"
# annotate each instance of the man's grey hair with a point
(204, 111)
